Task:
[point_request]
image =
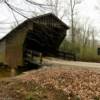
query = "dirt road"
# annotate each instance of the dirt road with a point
(59, 62)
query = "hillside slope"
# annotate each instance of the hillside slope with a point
(53, 82)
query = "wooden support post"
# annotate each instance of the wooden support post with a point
(13, 72)
(74, 57)
(41, 58)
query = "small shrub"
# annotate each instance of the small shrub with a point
(29, 97)
(96, 98)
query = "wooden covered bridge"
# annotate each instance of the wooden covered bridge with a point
(39, 35)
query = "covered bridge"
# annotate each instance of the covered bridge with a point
(41, 34)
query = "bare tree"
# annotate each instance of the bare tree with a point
(86, 37)
(73, 4)
(93, 33)
(17, 10)
(57, 7)
(54, 6)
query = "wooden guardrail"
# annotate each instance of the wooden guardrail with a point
(66, 55)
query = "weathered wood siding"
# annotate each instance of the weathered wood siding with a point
(14, 47)
(2, 51)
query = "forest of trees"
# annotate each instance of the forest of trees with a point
(81, 36)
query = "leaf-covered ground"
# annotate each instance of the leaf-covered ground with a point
(53, 83)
